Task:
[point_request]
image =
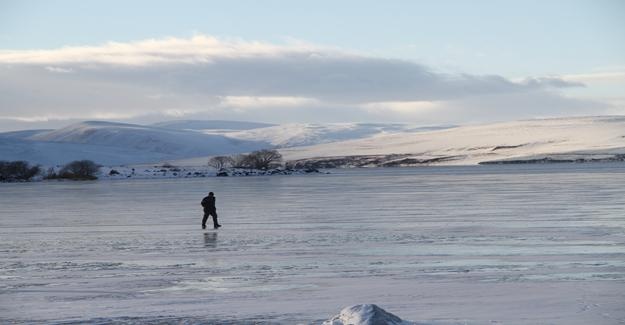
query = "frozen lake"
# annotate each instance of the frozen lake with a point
(534, 244)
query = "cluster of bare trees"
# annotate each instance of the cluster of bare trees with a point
(13, 171)
(221, 162)
(261, 159)
(76, 170)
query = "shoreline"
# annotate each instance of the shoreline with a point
(143, 172)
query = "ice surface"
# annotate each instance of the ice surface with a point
(540, 244)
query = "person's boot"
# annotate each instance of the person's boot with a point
(217, 226)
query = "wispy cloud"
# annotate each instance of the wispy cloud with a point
(555, 82)
(59, 70)
(410, 107)
(606, 76)
(198, 49)
(245, 102)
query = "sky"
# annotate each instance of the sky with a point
(422, 62)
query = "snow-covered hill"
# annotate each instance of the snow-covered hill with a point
(531, 141)
(190, 143)
(301, 134)
(116, 143)
(21, 135)
(145, 138)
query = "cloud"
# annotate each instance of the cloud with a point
(555, 82)
(217, 78)
(59, 70)
(251, 102)
(489, 108)
(606, 76)
(198, 49)
(410, 107)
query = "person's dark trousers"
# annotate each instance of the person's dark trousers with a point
(214, 215)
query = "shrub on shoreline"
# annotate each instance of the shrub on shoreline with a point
(259, 159)
(76, 170)
(16, 171)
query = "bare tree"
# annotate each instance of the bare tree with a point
(241, 161)
(263, 159)
(17, 171)
(220, 162)
(79, 169)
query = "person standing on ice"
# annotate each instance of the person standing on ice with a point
(209, 209)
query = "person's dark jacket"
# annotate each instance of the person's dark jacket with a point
(209, 204)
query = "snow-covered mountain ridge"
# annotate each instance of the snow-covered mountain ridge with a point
(303, 134)
(116, 143)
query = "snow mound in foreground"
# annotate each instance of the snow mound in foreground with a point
(366, 314)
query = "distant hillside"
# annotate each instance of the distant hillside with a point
(25, 134)
(548, 140)
(300, 134)
(325, 145)
(56, 153)
(117, 143)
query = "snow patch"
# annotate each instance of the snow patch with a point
(366, 314)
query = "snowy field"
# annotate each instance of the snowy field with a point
(531, 244)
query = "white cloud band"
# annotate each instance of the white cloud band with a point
(226, 77)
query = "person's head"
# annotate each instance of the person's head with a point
(211, 193)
